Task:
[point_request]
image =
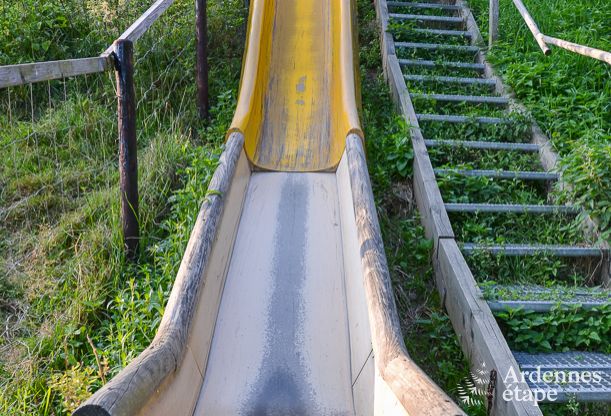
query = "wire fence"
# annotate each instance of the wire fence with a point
(58, 138)
(62, 257)
(164, 62)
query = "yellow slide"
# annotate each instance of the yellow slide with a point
(297, 98)
(283, 303)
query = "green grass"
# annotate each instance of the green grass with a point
(516, 228)
(447, 88)
(403, 31)
(77, 311)
(569, 95)
(517, 131)
(467, 158)
(554, 292)
(406, 9)
(561, 329)
(464, 189)
(540, 269)
(575, 113)
(438, 55)
(431, 106)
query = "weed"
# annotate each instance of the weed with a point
(561, 329)
(569, 95)
(78, 312)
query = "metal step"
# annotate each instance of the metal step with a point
(500, 174)
(575, 364)
(471, 99)
(444, 32)
(440, 6)
(428, 19)
(512, 208)
(437, 46)
(463, 119)
(542, 299)
(451, 80)
(530, 249)
(470, 144)
(443, 64)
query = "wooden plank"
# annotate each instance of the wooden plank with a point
(418, 394)
(14, 75)
(201, 64)
(358, 316)
(387, 45)
(132, 387)
(140, 26)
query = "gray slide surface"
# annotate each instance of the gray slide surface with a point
(281, 343)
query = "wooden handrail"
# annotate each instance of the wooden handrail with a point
(580, 49)
(493, 22)
(144, 22)
(14, 75)
(543, 39)
(532, 26)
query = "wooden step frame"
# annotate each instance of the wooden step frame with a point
(480, 336)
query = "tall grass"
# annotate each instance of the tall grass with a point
(74, 310)
(568, 94)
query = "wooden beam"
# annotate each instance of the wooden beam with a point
(534, 29)
(480, 336)
(580, 49)
(14, 75)
(140, 26)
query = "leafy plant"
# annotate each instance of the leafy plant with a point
(562, 329)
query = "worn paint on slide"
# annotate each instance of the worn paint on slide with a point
(297, 94)
(281, 343)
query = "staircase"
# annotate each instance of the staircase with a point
(524, 250)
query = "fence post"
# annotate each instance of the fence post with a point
(201, 34)
(128, 158)
(493, 28)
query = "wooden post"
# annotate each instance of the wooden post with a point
(493, 28)
(201, 33)
(128, 159)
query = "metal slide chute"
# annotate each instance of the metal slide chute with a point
(297, 100)
(283, 303)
